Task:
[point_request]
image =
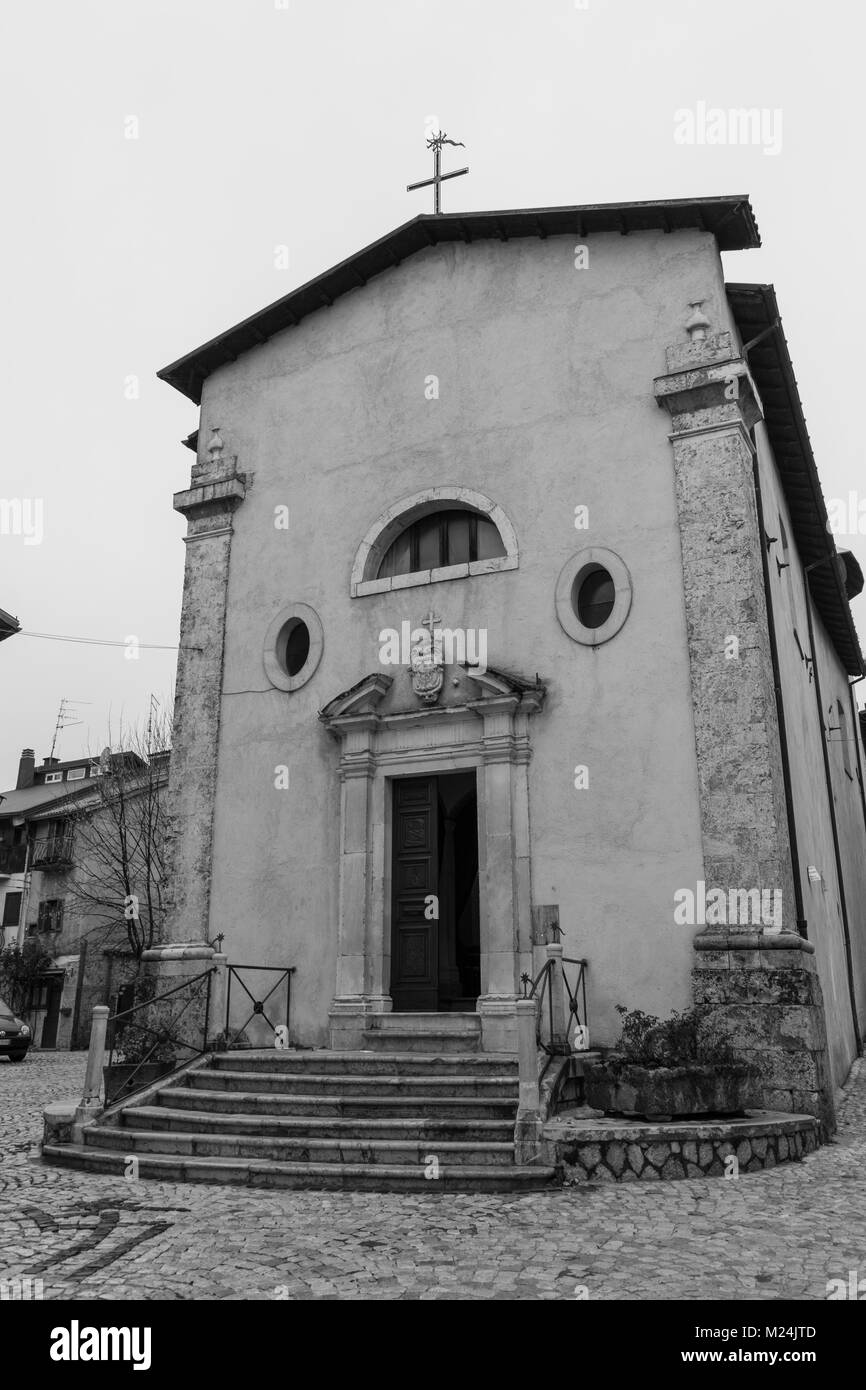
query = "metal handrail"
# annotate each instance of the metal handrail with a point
(162, 1035)
(554, 1047)
(284, 972)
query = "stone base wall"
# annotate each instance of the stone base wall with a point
(765, 1003)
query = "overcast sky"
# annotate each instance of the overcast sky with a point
(263, 124)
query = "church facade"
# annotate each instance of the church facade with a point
(510, 601)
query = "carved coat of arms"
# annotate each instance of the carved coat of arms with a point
(427, 668)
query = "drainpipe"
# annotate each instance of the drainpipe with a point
(828, 779)
(780, 708)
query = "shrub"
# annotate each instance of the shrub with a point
(671, 1042)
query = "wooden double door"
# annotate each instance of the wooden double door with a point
(435, 938)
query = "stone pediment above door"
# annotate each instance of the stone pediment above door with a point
(484, 715)
(385, 696)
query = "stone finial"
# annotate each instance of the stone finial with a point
(216, 446)
(697, 323)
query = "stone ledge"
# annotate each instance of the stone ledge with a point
(632, 1151)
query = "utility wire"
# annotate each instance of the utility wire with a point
(106, 642)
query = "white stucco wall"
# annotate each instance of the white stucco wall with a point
(545, 403)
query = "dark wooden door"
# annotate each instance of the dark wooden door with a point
(52, 1015)
(415, 875)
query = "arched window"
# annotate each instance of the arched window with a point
(443, 533)
(456, 536)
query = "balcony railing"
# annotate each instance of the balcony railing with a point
(13, 859)
(53, 853)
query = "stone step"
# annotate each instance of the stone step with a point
(402, 1152)
(348, 1107)
(404, 1023)
(367, 1063)
(431, 1041)
(349, 1086)
(266, 1173)
(423, 1130)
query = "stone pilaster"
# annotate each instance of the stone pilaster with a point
(771, 1014)
(360, 988)
(215, 491)
(504, 859)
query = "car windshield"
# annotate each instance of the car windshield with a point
(5, 1009)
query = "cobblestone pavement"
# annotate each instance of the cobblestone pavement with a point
(780, 1234)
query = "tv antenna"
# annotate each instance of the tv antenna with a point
(66, 719)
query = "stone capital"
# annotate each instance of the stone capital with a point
(705, 391)
(222, 494)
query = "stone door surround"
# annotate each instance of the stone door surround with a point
(489, 733)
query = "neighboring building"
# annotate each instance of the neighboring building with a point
(8, 625)
(47, 851)
(561, 436)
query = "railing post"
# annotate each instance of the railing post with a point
(559, 1013)
(95, 1056)
(216, 1029)
(91, 1104)
(527, 1130)
(527, 1055)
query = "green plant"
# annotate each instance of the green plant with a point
(670, 1042)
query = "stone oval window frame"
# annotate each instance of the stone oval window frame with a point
(593, 557)
(275, 642)
(389, 524)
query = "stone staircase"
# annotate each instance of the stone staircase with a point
(422, 1109)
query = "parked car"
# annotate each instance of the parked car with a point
(15, 1036)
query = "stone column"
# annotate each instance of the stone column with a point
(758, 981)
(216, 490)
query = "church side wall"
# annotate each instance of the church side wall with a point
(822, 903)
(545, 404)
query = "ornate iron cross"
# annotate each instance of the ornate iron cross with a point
(435, 143)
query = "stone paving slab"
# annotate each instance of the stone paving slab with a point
(778, 1234)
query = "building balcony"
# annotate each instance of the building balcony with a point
(53, 853)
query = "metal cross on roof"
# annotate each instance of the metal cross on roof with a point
(435, 143)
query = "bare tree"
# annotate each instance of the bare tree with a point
(119, 843)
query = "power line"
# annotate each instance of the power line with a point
(107, 642)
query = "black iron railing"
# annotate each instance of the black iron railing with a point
(55, 852)
(542, 987)
(166, 1042)
(283, 973)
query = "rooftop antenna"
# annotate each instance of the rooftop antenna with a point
(64, 721)
(152, 714)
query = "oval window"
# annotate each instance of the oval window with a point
(593, 597)
(294, 646)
